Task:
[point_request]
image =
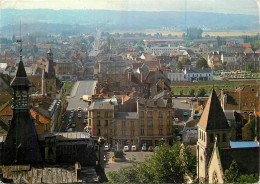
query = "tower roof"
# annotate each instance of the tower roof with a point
(213, 117)
(49, 51)
(21, 78)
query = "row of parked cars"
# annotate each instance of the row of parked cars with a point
(144, 148)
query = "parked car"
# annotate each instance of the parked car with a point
(73, 125)
(185, 113)
(126, 148)
(144, 148)
(106, 148)
(79, 115)
(156, 148)
(85, 121)
(86, 116)
(134, 148)
(151, 148)
(105, 158)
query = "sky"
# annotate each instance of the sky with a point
(248, 7)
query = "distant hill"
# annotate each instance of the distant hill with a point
(49, 20)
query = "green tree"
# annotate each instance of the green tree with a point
(201, 92)
(245, 178)
(231, 174)
(169, 164)
(249, 67)
(201, 63)
(140, 48)
(192, 92)
(181, 92)
(186, 61)
(179, 65)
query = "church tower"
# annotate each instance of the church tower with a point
(212, 123)
(21, 144)
(49, 77)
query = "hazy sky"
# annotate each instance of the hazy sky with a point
(220, 6)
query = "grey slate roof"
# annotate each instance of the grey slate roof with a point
(101, 106)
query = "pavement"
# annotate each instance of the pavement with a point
(113, 166)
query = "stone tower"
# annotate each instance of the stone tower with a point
(212, 123)
(49, 77)
(21, 144)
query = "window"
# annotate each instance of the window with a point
(89, 122)
(106, 124)
(160, 123)
(132, 132)
(142, 123)
(132, 124)
(224, 137)
(244, 104)
(169, 123)
(160, 114)
(150, 123)
(106, 114)
(123, 132)
(98, 131)
(98, 114)
(160, 131)
(98, 122)
(123, 123)
(150, 132)
(45, 128)
(142, 114)
(169, 113)
(142, 131)
(149, 115)
(252, 104)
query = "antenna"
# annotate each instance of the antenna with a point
(20, 40)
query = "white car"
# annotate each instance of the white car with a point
(144, 148)
(79, 115)
(133, 148)
(126, 148)
(106, 148)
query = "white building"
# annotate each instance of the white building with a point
(160, 50)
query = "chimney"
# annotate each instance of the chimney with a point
(129, 76)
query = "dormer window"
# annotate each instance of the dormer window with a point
(252, 104)
(244, 104)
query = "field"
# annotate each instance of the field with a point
(165, 33)
(177, 87)
(68, 86)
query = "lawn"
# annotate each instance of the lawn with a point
(67, 86)
(226, 85)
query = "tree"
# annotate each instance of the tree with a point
(179, 65)
(181, 92)
(201, 63)
(169, 164)
(231, 174)
(192, 92)
(140, 48)
(186, 61)
(201, 92)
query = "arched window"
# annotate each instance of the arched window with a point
(224, 137)
(214, 177)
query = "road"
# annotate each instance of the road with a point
(113, 166)
(79, 89)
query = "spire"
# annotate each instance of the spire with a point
(21, 78)
(50, 65)
(213, 117)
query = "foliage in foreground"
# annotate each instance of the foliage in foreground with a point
(232, 175)
(169, 164)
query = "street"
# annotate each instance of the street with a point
(79, 89)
